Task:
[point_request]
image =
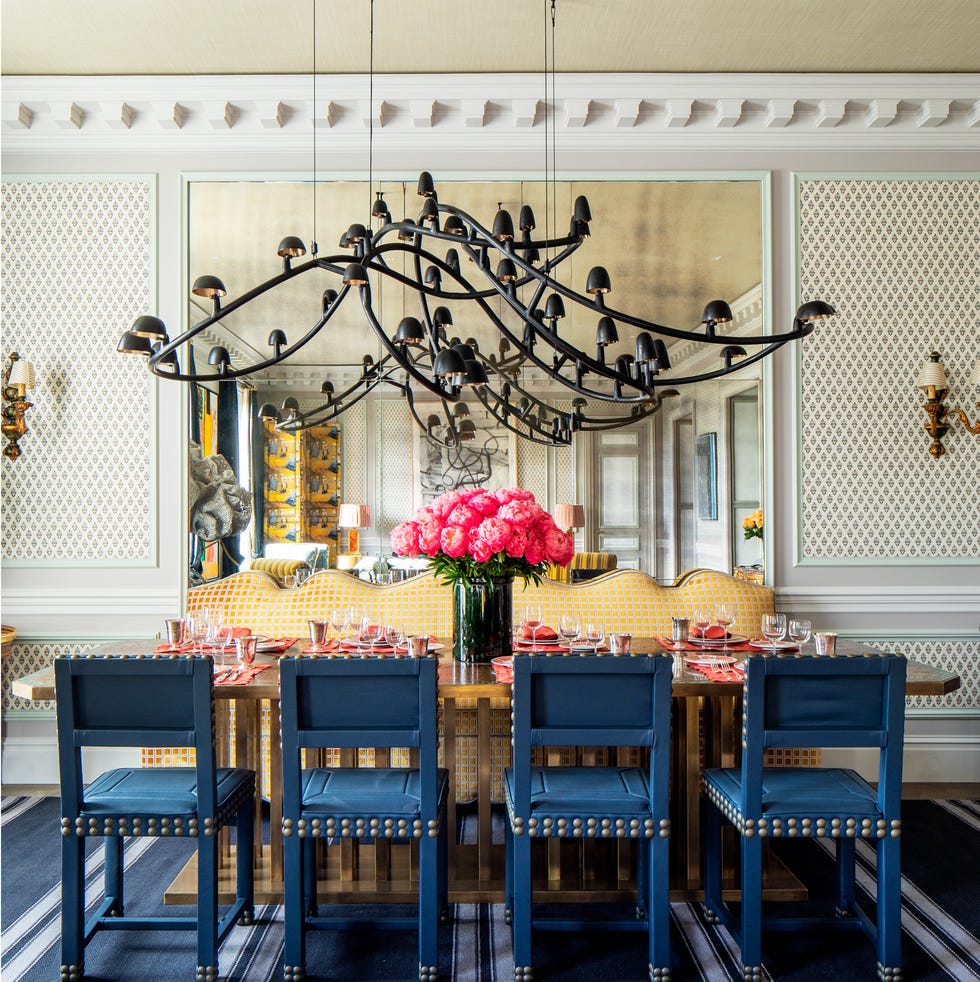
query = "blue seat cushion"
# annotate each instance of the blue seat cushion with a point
(801, 791)
(157, 790)
(365, 791)
(584, 791)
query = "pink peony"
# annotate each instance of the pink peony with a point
(405, 539)
(559, 547)
(517, 513)
(485, 503)
(480, 551)
(534, 552)
(429, 536)
(517, 543)
(464, 516)
(444, 504)
(453, 541)
(496, 532)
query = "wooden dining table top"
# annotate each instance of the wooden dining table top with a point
(463, 680)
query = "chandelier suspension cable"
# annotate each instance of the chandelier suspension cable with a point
(313, 244)
(371, 209)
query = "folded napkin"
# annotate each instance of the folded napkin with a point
(167, 649)
(714, 632)
(539, 646)
(543, 633)
(326, 647)
(504, 674)
(228, 676)
(732, 673)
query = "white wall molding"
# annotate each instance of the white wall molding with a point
(908, 599)
(498, 111)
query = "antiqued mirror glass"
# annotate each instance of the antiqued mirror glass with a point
(684, 478)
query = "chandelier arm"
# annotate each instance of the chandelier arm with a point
(598, 424)
(399, 356)
(532, 433)
(734, 367)
(233, 373)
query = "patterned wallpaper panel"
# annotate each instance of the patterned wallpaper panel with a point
(898, 259)
(961, 657)
(77, 270)
(26, 658)
(395, 473)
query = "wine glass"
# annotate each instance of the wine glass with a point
(371, 630)
(532, 621)
(198, 623)
(725, 617)
(799, 631)
(773, 628)
(394, 636)
(340, 621)
(220, 635)
(594, 633)
(701, 622)
(569, 627)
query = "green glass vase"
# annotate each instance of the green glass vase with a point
(482, 618)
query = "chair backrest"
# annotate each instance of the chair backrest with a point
(358, 702)
(810, 701)
(121, 701)
(592, 700)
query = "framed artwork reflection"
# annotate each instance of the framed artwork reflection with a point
(707, 476)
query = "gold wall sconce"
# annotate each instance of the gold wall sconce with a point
(17, 379)
(932, 381)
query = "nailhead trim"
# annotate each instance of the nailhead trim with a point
(207, 973)
(428, 973)
(658, 974)
(359, 828)
(753, 973)
(522, 653)
(72, 973)
(887, 974)
(593, 827)
(803, 827)
(359, 656)
(523, 973)
(293, 973)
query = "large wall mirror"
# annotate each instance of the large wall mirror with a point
(663, 495)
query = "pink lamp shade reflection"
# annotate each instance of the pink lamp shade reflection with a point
(353, 517)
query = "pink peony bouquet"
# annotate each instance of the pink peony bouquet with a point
(472, 533)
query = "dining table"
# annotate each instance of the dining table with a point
(704, 728)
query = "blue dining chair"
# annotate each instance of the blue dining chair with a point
(590, 700)
(806, 701)
(155, 701)
(360, 702)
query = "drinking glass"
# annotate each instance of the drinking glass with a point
(569, 628)
(371, 630)
(198, 623)
(702, 621)
(799, 631)
(532, 621)
(220, 635)
(394, 635)
(594, 633)
(773, 628)
(340, 621)
(725, 617)
(318, 633)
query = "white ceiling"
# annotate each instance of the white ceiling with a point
(187, 37)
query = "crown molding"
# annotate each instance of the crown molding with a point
(499, 112)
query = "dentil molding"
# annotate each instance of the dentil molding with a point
(499, 111)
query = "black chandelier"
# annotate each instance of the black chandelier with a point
(502, 276)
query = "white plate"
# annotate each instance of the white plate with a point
(717, 642)
(763, 645)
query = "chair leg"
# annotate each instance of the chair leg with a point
(521, 887)
(889, 908)
(310, 851)
(443, 844)
(751, 906)
(658, 906)
(294, 954)
(508, 874)
(428, 909)
(114, 873)
(207, 907)
(644, 855)
(711, 861)
(245, 847)
(72, 907)
(845, 876)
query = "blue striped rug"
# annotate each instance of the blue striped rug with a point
(940, 917)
